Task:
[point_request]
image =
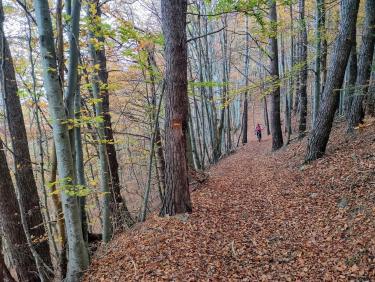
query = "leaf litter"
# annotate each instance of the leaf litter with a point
(262, 216)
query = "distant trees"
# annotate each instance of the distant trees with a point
(177, 194)
(319, 135)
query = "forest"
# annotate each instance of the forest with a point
(175, 140)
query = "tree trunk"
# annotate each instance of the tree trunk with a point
(317, 82)
(319, 135)
(277, 136)
(62, 260)
(27, 189)
(177, 195)
(371, 92)
(246, 72)
(118, 204)
(11, 225)
(302, 89)
(351, 74)
(4, 271)
(101, 137)
(59, 214)
(79, 164)
(366, 52)
(265, 115)
(158, 142)
(292, 60)
(78, 256)
(324, 51)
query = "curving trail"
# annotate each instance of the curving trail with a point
(262, 216)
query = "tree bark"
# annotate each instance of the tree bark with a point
(27, 189)
(324, 51)
(118, 204)
(319, 135)
(101, 137)
(302, 94)
(158, 142)
(246, 72)
(371, 92)
(4, 271)
(366, 52)
(317, 82)
(78, 255)
(351, 74)
(177, 196)
(277, 136)
(11, 225)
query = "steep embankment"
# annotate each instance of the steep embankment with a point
(262, 216)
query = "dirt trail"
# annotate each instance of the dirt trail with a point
(261, 217)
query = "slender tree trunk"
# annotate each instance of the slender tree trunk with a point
(351, 74)
(103, 160)
(62, 260)
(27, 189)
(177, 196)
(302, 89)
(371, 91)
(277, 136)
(319, 135)
(324, 51)
(246, 72)
(11, 225)
(158, 142)
(297, 79)
(365, 56)
(292, 59)
(79, 164)
(60, 40)
(118, 204)
(317, 82)
(73, 105)
(265, 115)
(149, 172)
(78, 256)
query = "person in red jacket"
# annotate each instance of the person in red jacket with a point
(258, 132)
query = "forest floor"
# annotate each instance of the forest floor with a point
(262, 216)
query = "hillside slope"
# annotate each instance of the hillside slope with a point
(262, 216)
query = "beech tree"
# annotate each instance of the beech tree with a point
(77, 251)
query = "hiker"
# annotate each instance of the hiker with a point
(258, 132)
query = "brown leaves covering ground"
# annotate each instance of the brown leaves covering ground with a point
(262, 216)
